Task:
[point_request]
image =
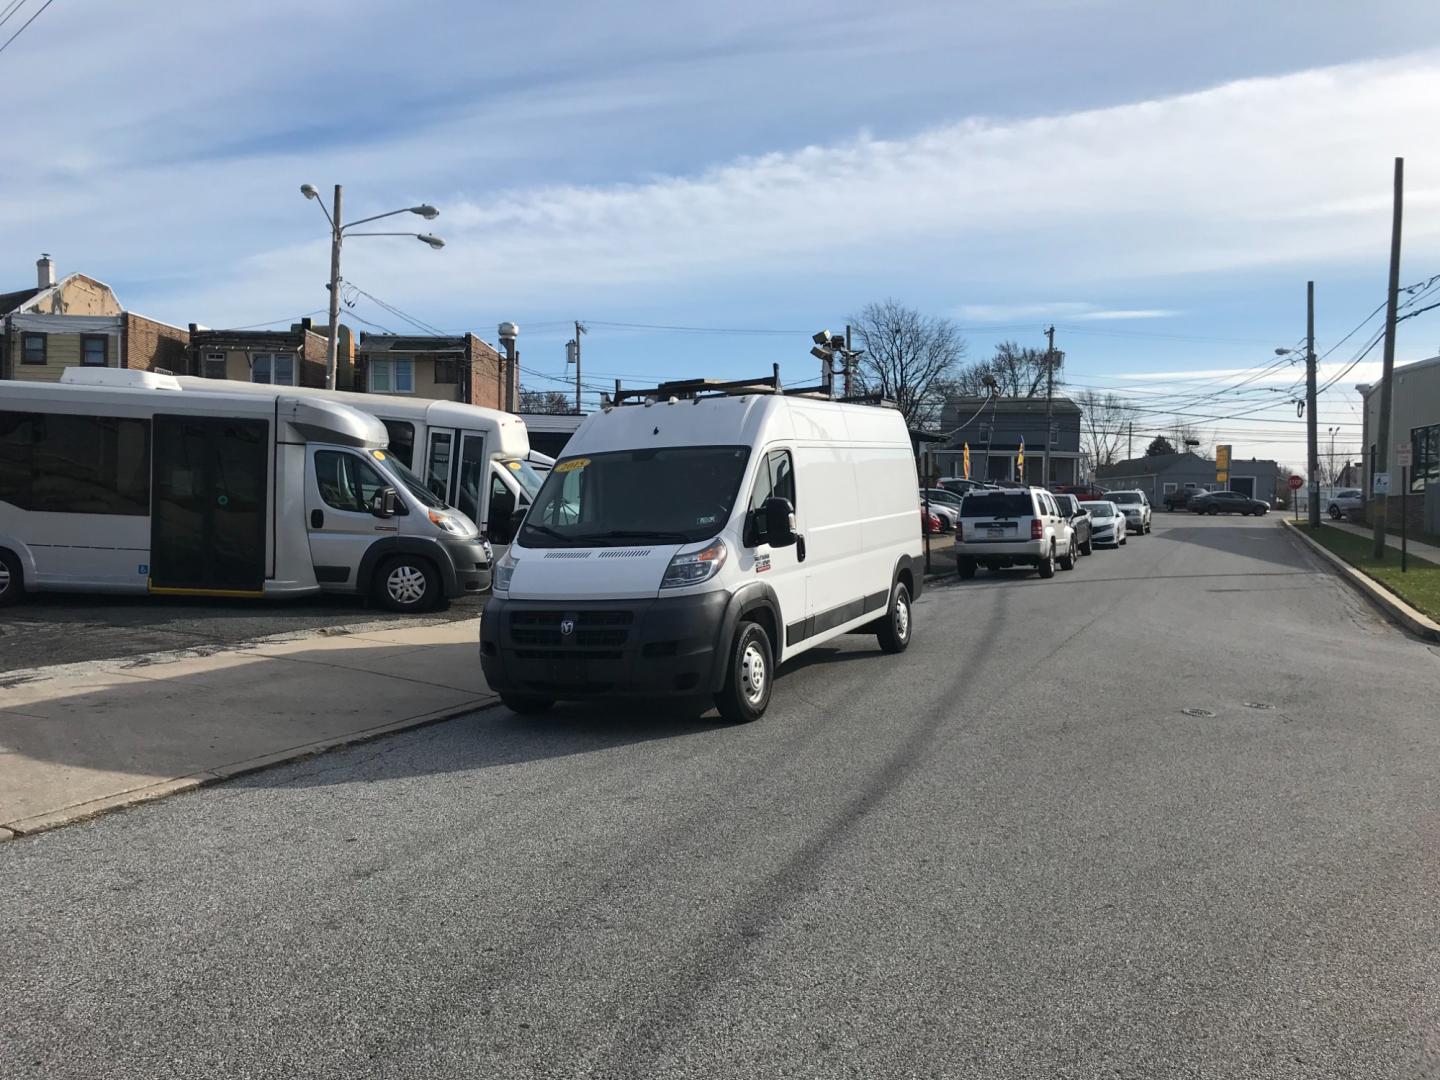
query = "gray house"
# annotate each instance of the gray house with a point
(1162, 474)
(994, 429)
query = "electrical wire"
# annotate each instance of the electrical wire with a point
(25, 24)
(10, 9)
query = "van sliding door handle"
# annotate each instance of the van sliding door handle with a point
(317, 519)
(800, 548)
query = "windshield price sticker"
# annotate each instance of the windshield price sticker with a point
(378, 455)
(572, 464)
(514, 466)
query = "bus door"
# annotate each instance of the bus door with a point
(210, 497)
(439, 455)
(472, 477)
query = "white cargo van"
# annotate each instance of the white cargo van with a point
(147, 484)
(689, 547)
(476, 459)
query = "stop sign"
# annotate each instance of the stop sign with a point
(1296, 483)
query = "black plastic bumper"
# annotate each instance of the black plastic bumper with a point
(598, 648)
(471, 562)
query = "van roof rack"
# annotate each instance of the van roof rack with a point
(689, 389)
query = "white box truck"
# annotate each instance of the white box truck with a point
(689, 547)
(143, 483)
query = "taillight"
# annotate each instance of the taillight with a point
(959, 530)
(1037, 529)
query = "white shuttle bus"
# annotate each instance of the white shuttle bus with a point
(147, 483)
(690, 547)
(476, 459)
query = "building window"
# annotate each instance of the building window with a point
(392, 377)
(32, 348)
(56, 463)
(276, 368)
(214, 365)
(446, 371)
(1425, 444)
(984, 434)
(1168, 488)
(94, 350)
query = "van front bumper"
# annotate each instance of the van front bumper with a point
(471, 560)
(665, 646)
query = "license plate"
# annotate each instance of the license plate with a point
(995, 532)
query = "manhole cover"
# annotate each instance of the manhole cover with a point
(1257, 705)
(1197, 712)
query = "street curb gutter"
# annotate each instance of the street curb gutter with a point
(1389, 604)
(69, 815)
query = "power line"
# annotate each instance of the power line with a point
(10, 9)
(26, 23)
(273, 322)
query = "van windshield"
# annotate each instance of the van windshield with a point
(526, 475)
(423, 495)
(997, 504)
(674, 494)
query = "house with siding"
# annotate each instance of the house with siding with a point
(77, 321)
(1163, 474)
(995, 429)
(293, 357)
(448, 368)
(1414, 422)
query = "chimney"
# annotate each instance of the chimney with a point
(45, 271)
(510, 393)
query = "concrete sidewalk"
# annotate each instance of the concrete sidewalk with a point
(1429, 552)
(79, 739)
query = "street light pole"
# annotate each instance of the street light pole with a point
(1312, 436)
(332, 344)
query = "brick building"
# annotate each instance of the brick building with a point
(293, 357)
(460, 368)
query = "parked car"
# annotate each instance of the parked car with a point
(1107, 523)
(959, 485)
(1080, 491)
(1180, 498)
(930, 522)
(1023, 527)
(1344, 500)
(1135, 506)
(1228, 502)
(1079, 519)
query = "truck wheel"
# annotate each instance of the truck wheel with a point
(1088, 547)
(966, 568)
(526, 704)
(1067, 561)
(748, 677)
(12, 580)
(405, 583)
(1046, 567)
(894, 632)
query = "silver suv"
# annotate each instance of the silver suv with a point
(1013, 527)
(1136, 508)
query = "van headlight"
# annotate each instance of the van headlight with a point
(504, 571)
(693, 567)
(449, 523)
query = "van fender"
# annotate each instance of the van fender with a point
(749, 598)
(21, 551)
(407, 545)
(915, 564)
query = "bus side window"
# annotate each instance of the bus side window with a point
(499, 526)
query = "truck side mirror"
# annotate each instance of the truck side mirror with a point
(776, 526)
(385, 504)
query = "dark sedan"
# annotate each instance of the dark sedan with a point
(1079, 519)
(1227, 502)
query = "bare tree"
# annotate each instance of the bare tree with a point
(1103, 423)
(908, 358)
(545, 401)
(1018, 372)
(1182, 432)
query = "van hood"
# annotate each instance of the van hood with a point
(593, 573)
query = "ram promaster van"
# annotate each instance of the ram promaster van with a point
(144, 483)
(690, 547)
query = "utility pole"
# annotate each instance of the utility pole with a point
(1382, 443)
(1130, 443)
(1049, 404)
(849, 361)
(332, 337)
(579, 329)
(1312, 433)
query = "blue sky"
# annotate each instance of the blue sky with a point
(1157, 180)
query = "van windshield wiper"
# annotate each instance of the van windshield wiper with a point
(550, 532)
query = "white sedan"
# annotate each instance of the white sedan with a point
(1107, 523)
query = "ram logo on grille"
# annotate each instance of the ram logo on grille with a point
(567, 627)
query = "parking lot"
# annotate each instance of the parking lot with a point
(55, 628)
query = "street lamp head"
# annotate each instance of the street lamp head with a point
(822, 338)
(434, 241)
(425, 210)
(820, 352)
(308, 190)
(1283, 352)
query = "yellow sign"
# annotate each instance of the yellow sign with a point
(572, 464)
(1222, 464)
(966, 474)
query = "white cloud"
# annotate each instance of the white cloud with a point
(1061, 309)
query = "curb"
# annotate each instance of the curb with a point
(69, 815)
(1388, 603)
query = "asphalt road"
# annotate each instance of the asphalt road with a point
(1008, 853)
(62, 628)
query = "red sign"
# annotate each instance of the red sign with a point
(1296, 483)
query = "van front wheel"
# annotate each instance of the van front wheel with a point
(894, 632)
(405, 583)
(748, 678)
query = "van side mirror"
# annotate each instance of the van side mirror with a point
(776, 526)
(385, 504)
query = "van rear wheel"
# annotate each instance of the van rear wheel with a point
(894, 632)
(12, 582)
(405, 583)
(748, 678)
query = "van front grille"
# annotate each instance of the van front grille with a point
(593, 629)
